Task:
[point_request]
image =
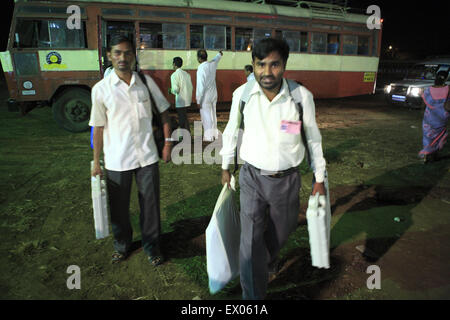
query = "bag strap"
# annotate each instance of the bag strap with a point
(244, 99)
(294, 91)
(144, 80)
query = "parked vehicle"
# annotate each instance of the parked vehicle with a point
(408, 92)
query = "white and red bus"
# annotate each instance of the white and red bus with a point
(332, 51)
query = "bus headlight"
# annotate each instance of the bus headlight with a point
(388, 89)
(415, 92)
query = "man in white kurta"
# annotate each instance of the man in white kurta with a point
(206, 93)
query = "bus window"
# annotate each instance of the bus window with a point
(297, 40)
(293, 40)
(363, 45)
(120, 28)
(259, 34)
(333, 44)
(215, 37)
(48, 34)
(151, 35)
(350, 44)
(375, 43)
(174, 35)
(196, 36)
(318, 42)
(244, 39)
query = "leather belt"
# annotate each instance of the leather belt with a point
(277, 174)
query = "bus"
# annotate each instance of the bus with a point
(57, 49)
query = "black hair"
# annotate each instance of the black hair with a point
(249, 68)
(441, 77)
(178, 62)
(115, 40)
(202, 54)
(267, 45)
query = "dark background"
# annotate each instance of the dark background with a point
(414, 29)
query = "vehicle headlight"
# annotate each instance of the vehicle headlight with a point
(415, 92)
(388, 89)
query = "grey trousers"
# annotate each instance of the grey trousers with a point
(119, 190)
(269, 213)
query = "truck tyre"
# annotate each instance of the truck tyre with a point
(72, 109)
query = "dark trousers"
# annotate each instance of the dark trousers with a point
(269, 213)
(119, 190)
(182, 118)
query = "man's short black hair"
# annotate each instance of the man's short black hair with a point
(249, 68)
(115, 40)
(267, 45)
(202, 54)
(178, 62)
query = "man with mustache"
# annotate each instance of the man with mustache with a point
(122, 119)
(272, 149)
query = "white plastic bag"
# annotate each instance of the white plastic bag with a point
(222, 240)
(318, 216)
(100, 206)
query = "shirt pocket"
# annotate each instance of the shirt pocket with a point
(144, 108)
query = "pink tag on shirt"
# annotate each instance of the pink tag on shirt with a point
(292, 127)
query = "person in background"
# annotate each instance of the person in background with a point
(122, 119)
(435, 117)
(206, 93)
(273, 150)
(181, 87)
(248, 70)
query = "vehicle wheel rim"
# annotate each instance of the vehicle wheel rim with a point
(76, 111)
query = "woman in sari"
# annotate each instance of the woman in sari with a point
(435, 117)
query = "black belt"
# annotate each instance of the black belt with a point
(277, 174)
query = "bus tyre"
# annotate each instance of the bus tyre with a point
(72, 109)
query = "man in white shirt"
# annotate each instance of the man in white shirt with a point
(272, 149)
(206, 93)
(181, 87)
(248, 70)
(122, 119)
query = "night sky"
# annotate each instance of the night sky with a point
(414, 31)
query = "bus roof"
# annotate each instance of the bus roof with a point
(312, 12)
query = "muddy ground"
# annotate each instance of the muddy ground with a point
(382, 199)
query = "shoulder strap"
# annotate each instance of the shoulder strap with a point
(294, 90)
(144, 80)
(244, 99)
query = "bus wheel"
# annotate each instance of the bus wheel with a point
(72, 109)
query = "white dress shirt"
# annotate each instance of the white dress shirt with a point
(250, 77)
(264, 144)
(181, 86)
(206, 80)
(126, 115)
